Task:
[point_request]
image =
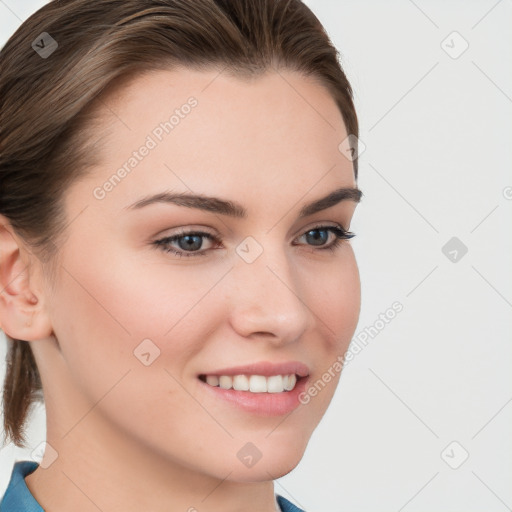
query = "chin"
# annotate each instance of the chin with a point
(274, 463)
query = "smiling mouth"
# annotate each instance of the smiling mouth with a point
(253, 383)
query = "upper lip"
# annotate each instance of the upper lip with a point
(264, 368)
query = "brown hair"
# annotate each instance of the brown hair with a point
(47, 99)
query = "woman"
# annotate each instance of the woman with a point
(177, 184)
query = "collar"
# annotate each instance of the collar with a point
(17, 497)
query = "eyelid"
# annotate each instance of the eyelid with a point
(323, 224)
(196, 229)
(186, 230)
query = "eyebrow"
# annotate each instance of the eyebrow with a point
(234, 209)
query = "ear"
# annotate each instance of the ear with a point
(23, 314)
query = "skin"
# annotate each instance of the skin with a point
(130, 436)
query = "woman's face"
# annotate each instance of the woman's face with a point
(143, 334)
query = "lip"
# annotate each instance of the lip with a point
(265, 368)
(261, 404)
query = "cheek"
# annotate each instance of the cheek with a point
(103, 313)
(338, 303)
(103, 310)
(337, 310)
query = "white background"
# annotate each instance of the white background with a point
(437, 164)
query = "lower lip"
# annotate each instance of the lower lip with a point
(262, 404)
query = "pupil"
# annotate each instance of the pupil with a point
(322, 238)
(190, 241)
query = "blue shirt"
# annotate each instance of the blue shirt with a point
(17, 497)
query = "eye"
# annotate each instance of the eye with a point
(339, 233)
(186, 241)
(190, 242)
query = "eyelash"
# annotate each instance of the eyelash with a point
(164, 243)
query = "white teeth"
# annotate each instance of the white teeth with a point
(254, 383)
(213, 380)
(275, 384)
(258, 384)
(292, 380)
(240, 383)
(225, 382)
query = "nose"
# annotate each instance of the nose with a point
(267, 299)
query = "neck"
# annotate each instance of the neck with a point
(98, 468)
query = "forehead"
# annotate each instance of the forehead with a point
(212, 132)
(164, 87)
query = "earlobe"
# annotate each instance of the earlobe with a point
(23, 315)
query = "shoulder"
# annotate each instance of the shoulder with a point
(17, 497)
(286, 506)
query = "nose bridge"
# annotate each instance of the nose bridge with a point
(266, 297)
